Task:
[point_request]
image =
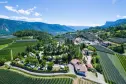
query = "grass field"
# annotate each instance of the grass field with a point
(16, 48)
(9, 77)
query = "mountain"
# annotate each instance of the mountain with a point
(114, 23)
(10, 26)
(79, 27)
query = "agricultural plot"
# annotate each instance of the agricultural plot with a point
(19, 47)
(118, 40)
(5, 54)
(103, 49)
(116, 62)
(16, 48)
(3, 46)
(8, 77)
(122, 60)
(112, 75)
(5, 41)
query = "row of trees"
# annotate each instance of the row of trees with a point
(120, 49)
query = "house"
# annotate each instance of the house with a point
(79, 68)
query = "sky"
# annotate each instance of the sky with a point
(64, 12)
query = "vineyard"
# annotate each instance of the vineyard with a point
(5, 41)
(8, 77)
(103, 49)
(110, 72)
(122, 60)
(16, 48)
(5, 54)
(116, 62)
(118, 40)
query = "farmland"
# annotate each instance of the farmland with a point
(5, 41)
(112, 75)
(16, 48)
(122, 60)
(9, 77)
(118, 40)
(103, 49)
(5, 54)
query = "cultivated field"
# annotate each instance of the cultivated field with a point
(112, 75)
(5, 41)
(118, 40)
(122, 60)
(8, 77)
(103, 49)
(5, 54)
(16, 48)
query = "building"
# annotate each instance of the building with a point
(79, 68)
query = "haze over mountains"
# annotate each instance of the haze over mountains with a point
(10, 26)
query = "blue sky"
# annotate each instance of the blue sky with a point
(65, 12)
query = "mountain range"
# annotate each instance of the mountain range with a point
(10, 26)
(79, 27)
(114, 23)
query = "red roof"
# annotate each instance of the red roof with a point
(75, 61)
(78, 66)
(89, 65)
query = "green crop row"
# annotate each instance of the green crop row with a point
(111, 73)
(8, 77)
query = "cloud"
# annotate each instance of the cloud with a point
(121, 17)
(10, 8)
(3, 2)
(37, 14)
(21, 11)
(22, 18)
(4, 16)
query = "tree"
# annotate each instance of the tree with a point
(29, 49)
(50, 66)
(78, 53)
(65, 58)
(43, 63)
(31, 60)
(57, 60)
(82, 45)
(99, 68)
(2, 61)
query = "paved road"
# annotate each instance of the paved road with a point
(71, 71)
(40, 74)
